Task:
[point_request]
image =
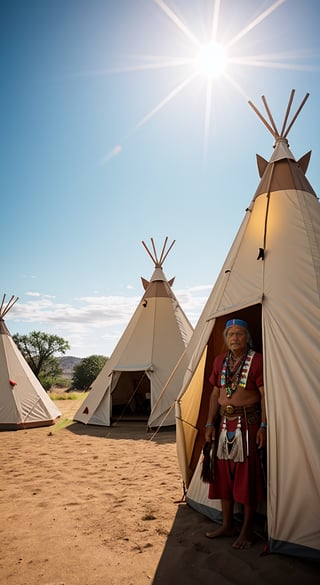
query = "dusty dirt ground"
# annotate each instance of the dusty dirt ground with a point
(102, 506)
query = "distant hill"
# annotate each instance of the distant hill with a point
(67, 364)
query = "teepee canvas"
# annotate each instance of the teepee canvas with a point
(132, 380)
(23, 401)
(271, 279)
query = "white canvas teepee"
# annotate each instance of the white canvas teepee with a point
(133, 377)
(23, 401)
(270, 278)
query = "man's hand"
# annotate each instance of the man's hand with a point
(261, 438)
(209, 434)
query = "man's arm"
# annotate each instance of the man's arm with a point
(212, 414)
(262, 432)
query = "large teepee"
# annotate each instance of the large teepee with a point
(131, 382)
(23, 401)
(270, 278)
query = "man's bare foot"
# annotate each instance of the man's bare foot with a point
(222, 531)
(243, 542)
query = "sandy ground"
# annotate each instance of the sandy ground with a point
(103, 506)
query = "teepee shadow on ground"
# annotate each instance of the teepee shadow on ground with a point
(189, 557)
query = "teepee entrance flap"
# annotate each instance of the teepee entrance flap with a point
(242, 304)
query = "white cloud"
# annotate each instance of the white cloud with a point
(98, 311)
(91, 324)
(33, 294)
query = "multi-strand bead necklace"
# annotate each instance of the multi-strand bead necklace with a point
(231, 379)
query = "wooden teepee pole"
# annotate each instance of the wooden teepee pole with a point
(158, 261)
(296, 115)
(270, 115)
(273, 129)
(4, 309)
(262, 119)
(163, 249)
(2, 303)
(167, 252)
(149, 253)
(287, 111)
(154, 251)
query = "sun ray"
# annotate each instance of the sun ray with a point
(215, 21)
(207, 119)
(205, 61)
(294, 54)
(116, 150)
(236, 85)
(163, 102)
(255, 22)
(157, 63)
(257, 62)
(177, 21)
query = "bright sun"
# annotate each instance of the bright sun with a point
(211, 60)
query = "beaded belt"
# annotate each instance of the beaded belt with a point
(233, 411)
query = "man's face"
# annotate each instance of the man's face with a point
(236, 339)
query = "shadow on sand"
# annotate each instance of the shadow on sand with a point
(133, 430)
(189, 557)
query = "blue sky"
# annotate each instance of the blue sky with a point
(106, 141)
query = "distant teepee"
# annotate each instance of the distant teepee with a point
(23, 401)
(132, 379)
(271, 279)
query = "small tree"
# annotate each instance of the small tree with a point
(38, 349)
(51, 373)
(87, 370)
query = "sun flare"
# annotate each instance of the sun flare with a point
(211, 60)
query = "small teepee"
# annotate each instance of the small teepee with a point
(131, 382)
(271, 279)
(23, 401)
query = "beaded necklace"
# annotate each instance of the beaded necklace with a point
(231, 380)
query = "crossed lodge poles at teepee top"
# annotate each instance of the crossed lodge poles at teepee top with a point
(273, 128)
(154, 257)
(4, 309)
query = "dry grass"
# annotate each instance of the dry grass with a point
(63, 394)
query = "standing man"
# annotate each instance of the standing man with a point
(238, 396)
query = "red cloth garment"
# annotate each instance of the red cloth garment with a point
(241, 482)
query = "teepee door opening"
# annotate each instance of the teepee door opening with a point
(253, 316)
(130, 397)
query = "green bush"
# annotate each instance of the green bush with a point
(86, 372)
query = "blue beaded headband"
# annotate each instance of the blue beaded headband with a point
(239, 322)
